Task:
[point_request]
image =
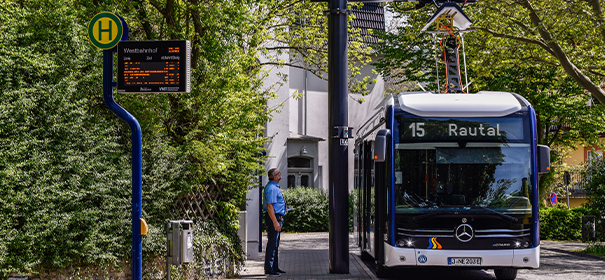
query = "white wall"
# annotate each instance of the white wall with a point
(317, 113)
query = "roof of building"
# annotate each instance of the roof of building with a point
(370, 16)
(299, 137)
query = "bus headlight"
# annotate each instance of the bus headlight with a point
(405, 243)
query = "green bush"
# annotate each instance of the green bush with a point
(561, 224)
(311, 212)
(216, 255)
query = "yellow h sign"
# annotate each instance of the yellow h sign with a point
(105, 30)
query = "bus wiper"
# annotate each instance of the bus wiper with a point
(504, 216)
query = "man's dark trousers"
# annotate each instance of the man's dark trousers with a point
(271, 254)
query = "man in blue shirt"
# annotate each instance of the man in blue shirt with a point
(274, 207)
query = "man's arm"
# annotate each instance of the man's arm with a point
(271, 212)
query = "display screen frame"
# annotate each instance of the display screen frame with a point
(154, 66)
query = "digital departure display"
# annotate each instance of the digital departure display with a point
(154, 66)
(503, 129)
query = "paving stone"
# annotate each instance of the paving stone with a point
(304, 256)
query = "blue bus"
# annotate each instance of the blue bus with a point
(450, 180)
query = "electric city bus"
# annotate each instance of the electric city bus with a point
(450, 180)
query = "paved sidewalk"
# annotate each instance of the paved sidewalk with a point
(569, 247)
(305, 256)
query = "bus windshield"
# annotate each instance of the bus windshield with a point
(438, 173)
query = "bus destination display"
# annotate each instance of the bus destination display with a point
(154, 66)
(462, 129)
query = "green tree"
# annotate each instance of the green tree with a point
(218, 125)
(63, 170)
(565, 34)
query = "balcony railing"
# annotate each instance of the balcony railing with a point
(576, 186)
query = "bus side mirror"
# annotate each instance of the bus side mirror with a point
(543, 159)
(380, 145)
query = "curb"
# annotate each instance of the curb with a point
(365, 268)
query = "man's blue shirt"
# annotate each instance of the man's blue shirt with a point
(273, 195)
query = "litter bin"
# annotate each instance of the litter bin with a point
(588, 228)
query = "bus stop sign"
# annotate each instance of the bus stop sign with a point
(105, 30)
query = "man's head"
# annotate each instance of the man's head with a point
(274, 175)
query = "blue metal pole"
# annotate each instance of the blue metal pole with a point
(338, 151)
(137, 167)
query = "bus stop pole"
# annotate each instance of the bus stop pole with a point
(137, 167)
(338, 144)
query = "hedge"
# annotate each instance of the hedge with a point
(561, 224)
(311, 212)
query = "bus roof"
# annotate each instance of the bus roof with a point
(480, 104)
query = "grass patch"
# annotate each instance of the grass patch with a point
(595, 249)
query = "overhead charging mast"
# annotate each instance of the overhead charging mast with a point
(448, 24)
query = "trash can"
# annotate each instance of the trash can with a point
(588, 228)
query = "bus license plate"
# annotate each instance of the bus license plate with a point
(464, 261)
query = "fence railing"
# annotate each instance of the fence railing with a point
(576, 186)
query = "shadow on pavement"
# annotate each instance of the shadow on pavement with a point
(435, 273)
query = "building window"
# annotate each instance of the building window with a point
(592, 154)
(299, 162)
(291, 181)
(300, 179)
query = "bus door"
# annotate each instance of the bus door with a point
(368, 197)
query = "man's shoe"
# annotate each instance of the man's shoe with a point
(280, 271)
(272, 273)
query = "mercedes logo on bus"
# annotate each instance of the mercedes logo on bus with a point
(464, 233)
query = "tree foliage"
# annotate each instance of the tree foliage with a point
(408, 54)
(63, 171)
(565, 34)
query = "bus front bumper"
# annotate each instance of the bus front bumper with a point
(518, 258)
